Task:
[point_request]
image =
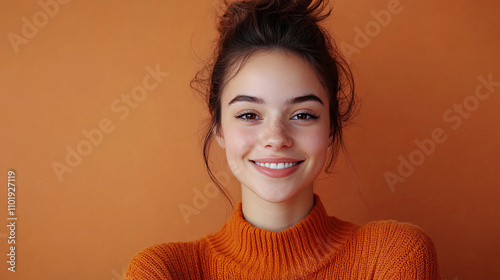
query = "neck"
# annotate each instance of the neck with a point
(276, 216)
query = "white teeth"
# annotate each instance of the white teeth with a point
(281, 165)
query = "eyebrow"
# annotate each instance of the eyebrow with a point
(258, 100)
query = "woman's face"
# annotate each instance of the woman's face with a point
(275, 125)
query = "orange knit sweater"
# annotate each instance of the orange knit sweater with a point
(319, 247)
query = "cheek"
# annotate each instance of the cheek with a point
(239, 141)
(316, 143)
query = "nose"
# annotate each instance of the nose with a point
(275, 135)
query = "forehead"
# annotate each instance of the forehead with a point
(274, 76)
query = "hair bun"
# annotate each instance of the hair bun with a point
(237, 12)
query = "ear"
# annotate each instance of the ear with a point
(219, 136)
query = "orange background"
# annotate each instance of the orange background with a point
(125, 194)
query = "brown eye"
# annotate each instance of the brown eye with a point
(247, 116)
(304, 116)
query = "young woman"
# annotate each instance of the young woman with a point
(279, 95)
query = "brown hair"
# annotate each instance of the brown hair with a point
(247, 27)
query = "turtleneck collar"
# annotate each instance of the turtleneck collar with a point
(297, 250)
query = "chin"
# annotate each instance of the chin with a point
(275, 193)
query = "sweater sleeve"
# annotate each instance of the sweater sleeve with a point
(413, 255)
(421, 263)
(148, 264)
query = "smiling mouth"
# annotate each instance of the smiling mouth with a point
(275, 165)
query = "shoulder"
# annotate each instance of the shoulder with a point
(392, 232)
(400, 250)
(166, 261)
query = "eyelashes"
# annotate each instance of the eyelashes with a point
(252, 116)
(305, 116)
(247, 116)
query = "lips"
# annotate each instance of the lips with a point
(276, 167)
(275, 160)
(280, 165)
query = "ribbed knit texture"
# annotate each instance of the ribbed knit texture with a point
(319, 247)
